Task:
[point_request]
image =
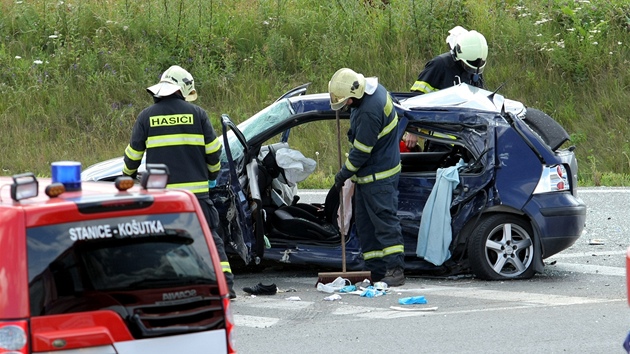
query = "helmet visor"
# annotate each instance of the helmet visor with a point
(337, 102)
(474, 66)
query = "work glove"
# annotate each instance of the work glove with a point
(339, 181)
(212, 183)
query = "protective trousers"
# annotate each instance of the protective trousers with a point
(378, 225)
(212, 217)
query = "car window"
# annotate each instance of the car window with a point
(261, 121)
(115, 254)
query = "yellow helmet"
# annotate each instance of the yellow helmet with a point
(471, 49)
(345, 84)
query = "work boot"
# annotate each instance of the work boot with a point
(229, 279)
(394, 277)
(260, 289)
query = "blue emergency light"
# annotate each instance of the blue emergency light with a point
(67, 173)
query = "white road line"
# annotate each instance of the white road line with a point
(585, 254)
(282, 304)
(511, 300)
(589, 269)
(620, 190)
(506, 296)
(254, 321)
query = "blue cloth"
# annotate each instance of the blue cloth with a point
(435, 234)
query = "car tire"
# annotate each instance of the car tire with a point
(502, 247)
(552, 133)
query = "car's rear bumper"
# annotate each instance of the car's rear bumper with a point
(560, 219)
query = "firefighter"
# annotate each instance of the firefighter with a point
(464, 63)
(373, 164)
(179, 134)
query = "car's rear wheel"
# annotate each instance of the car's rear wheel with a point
(502, 247)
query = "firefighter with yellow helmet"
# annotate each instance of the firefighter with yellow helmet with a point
(373, 163)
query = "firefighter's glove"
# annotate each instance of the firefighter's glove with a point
(212, 183)
(339, 181)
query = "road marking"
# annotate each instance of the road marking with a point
(506, 296)
(588, 269)
(585, 254)
(597, 190)
(254, 321)
(507, 300)
(283, 304)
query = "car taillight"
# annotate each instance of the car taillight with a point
(553, 179)
(229, 326)
(13, 337)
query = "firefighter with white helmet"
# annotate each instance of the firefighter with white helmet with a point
(177, 133)
(373, 163)
(464, 63)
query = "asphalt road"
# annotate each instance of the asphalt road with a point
(578, 305)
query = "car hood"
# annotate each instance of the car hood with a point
(107, 170)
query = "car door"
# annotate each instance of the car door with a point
(470, 144)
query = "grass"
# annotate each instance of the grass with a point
(73, 74)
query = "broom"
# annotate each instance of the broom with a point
(353, 277)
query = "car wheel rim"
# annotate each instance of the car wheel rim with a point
(509, 250)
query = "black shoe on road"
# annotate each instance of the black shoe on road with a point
(261, 289)
(394, 277)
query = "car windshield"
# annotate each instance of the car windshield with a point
(258, 123)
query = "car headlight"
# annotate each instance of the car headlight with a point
(553, 179)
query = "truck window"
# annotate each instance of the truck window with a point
(77, 266)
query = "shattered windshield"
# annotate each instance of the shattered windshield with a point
(258, 123)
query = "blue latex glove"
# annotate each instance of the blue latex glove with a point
(412, 300)
(212, 183)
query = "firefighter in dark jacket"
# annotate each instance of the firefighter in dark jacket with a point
(179, 134)
(373, 164)
(464, 63)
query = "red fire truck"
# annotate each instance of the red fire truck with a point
(122, 267)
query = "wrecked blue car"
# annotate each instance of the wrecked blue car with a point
(515, 202)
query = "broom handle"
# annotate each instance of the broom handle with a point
(341, 212)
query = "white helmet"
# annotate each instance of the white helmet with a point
(345, 84)
(471, 49)
(175, 79)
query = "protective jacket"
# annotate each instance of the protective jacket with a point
(373, 135)
(179, 134)
(442, 72)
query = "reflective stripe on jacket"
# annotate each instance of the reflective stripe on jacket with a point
(373, 133)
(179, 134)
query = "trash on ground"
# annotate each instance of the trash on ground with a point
(415, 308)
(293, 298)
(370, 291)
(364, 284)
(381, 286)
(289, 290)
(336, 285)
(348, 289)
(412, 300)
(596, 241)
(333, 297)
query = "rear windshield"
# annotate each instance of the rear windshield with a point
(71, 262)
